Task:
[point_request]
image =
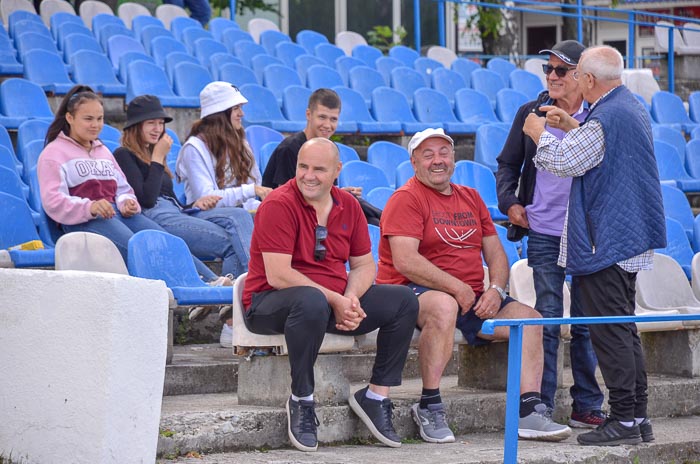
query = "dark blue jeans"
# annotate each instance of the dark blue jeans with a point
(542, 255)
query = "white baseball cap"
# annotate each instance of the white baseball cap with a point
(219, 96)
(420, 137)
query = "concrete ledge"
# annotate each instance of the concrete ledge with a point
(83, 359)
(673, 353)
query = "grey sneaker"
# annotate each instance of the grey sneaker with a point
(646, 431)
(302, 424)
(538, 426)
(376, 415)
(432, 424)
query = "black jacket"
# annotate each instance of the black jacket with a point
(516, 170)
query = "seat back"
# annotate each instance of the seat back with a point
(48, 8)
(191, 35)
(7, 7)
(162, 46)
(21, 98)
(218, 60)
(677, 245)
(328, 53)
(265, 154)
(472, 106)
(258, 26)
(385, 65)
(45, 68)
(190, 79)
(431, 106)
(661, 36)
(479, 177)
(258, 63)
(502, 67)
(93, 68)
(270, 38)
(288, 52)
(11, 183)
(347, 40)
(404, 54)
(21, 228)
(347, 153)
(672, 137)
(464, 68)
(60, 19)
(237, 74)
(245, 51)
(390, 105)
(387, 156)
(694, 106)
(521, 283)
(487, 82)
(692, 158)
(318, 76)
(232, 36)
(34, 41)
(139, 23)
(364, 80)
(309, 39)
(217, 26)
(668, 162)
(404, 171)
(448, 83)
(262, 105)
(204, 48)
(277, 77)
(443, 55)
(490, 139)
(90, 8)
(353, 106)
(407, 81)
(130, 57)
(129, 10)
(110, 134)
(146, 78)
(119, 45)
(85, 251)
(167, 13)
(665, 286)
(676, 206)
(295, 101)
(667, 108)
(257, 136)
(150, 33)
(303, 62)
(534, 66)
(362, 174)
(508, 102)
(426, 66)
(378, 197)
(368, 54)
(526, 83)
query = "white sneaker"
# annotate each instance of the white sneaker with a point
(226, 337)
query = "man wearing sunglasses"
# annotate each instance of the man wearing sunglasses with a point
(615, 220)
(305, 232)
(535, 202)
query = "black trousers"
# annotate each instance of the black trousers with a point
(304, 316)
(611, 292)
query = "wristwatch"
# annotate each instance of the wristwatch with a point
(501, 292)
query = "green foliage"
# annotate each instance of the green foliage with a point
(489, 22)
(243, 5)
(167, 433)
(382, 37)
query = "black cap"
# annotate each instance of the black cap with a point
(143, 108)
(569, 51)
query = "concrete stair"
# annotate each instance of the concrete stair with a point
(201, 414)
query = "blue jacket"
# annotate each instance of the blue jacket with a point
(615, 209)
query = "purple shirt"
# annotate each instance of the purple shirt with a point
(547, 212)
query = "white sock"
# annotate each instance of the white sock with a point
(374, 396)
(627, 423)
(305, 398)
(639, 420)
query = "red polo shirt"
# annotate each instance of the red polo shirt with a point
(285, 223)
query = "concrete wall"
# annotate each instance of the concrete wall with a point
(83, 363)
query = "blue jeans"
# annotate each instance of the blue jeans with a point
(120, 229)
(199, 9)
(542, 255)
(219, 232)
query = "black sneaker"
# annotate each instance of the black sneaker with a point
(301, 424)
(611, 433)
(646, 431)
(377, 417)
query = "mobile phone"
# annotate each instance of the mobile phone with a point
(191, 210)
(542, 100)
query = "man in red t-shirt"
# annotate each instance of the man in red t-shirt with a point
(434, 234)
(305, 232)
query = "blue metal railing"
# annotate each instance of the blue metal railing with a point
(510, 443)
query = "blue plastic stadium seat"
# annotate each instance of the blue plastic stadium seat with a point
(30, 156)
(322, 77)
(94, 69)
(508, 102)
(232, 36)
(386, 64)
(218, 60)
(667, 108)
(70, 28)
(295, 102)
(162, 46)
(8, 159)
(262, 109)
(180, 24)
(344, 64)
(288, 52)
(473, 107)
(8, 61)
(404, 54)
(425, 66)
(404, 171)
(502, 67)
(347, 153)
(236, 74)
(74, 43)
(118, 45)
(354, 109)
(18, 16)
(192, 34)
(141, 22)
(270, 38)
(464, 68)
(59, 19)
(448, 83)
(387, 156)
(303, 62)
(217, 26)
(190, 79)
(367, 53)
(692, 158)
(696, 234)
(487, 82)
(204, 49)
(490, 139)
(102, 20)
(374, 238)
(671, 168)
(328, 53)
(479, 177)
(259, 62)
(364, 80)
(127, 58)
(389, 105)
(148, 78)
(150, 33)
(175, 58)
(407, 81)
(677, 245)
(257, 136)
(378, 196)
(12, 184)
(245, 51)
(672, 137)
(21, 100)
(526, 82)
(29, 131)
(511, 248)
(362, 174)
(432, 107)
(19, 230)
(265, 154)
(153, 254)
(113, 30)
(309, 39)
(277, 77)
(33, 41)
(694, 106)
(110, 134)
(676, 206)
(47, 70)
(25, 26)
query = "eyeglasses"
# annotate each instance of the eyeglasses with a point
(319, 248)
(577, 75)
(560, 71)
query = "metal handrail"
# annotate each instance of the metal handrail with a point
(510, 443)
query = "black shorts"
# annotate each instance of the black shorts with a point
(469, 324)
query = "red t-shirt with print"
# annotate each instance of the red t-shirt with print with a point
(450, 229)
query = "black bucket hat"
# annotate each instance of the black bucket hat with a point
(143, 108)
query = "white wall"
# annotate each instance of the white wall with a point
(83, 364)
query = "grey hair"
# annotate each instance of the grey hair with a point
(603, 61)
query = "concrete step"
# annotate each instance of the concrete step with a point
(677, 441)
(216, 423)
(208, 368)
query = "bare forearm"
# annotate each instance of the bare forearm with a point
(421, 271)
(360, 279)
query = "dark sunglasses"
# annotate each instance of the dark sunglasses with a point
(319, 249)
(559, 70)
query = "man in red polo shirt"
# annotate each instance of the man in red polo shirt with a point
(305, 232)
